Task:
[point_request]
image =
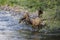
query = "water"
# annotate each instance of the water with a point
(10, 29)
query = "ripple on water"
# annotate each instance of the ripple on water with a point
(9, 35)
(9, 27)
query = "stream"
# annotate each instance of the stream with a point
(10, 29)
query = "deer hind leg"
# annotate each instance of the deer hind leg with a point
(39, 27)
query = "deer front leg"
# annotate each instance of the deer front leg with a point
(20, 20)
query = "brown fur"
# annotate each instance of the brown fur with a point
(35, 22)
(25, 17)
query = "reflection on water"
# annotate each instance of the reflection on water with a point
(10, 29)
(31, 35)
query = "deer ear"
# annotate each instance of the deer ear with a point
(40, 12)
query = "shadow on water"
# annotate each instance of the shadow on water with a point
(27, 33)
(32, 35)
(10, 29)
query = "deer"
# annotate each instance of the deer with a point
(36, 23)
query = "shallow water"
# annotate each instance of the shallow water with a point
(10, 29)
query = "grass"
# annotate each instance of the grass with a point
(9, 2)
(49, 15)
